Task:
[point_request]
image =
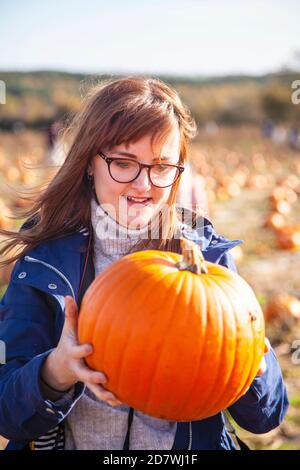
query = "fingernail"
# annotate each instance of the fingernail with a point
(113, 403)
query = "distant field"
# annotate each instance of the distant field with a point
(35, 99)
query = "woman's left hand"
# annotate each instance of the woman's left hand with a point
(263, 365)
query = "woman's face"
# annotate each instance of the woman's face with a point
(117, 197)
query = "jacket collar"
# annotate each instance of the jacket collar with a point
(206, 237)
(62, 259)
(62, 273)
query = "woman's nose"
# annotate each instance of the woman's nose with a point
(142, 181)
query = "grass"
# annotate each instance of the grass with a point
(295, 401)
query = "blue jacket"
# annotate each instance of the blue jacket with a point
(31, 321)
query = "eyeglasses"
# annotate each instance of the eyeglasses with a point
(123, 170)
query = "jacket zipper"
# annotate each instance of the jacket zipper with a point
(34, 260)
(190, 436)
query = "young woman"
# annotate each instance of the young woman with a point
(119, 179)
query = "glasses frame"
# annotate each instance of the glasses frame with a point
(109, 161)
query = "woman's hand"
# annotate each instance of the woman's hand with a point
(263, 365)
(65, 364)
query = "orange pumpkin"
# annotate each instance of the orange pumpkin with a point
(282, 308)
(5, 214)
(283, 207)
(179, 338)
(288, 238)
(275, 221)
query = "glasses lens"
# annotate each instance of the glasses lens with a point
(164, 175)
(124, 170)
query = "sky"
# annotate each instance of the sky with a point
(178, 37)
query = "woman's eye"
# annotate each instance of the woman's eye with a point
(162, 168)
(121, 164)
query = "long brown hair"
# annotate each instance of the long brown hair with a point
(115, 111)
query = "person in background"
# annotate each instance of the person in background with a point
(192, 192)
(56, 152)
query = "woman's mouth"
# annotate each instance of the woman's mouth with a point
(143, 201)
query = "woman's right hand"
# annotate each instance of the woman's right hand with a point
(65, 365)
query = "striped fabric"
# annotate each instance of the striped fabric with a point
(53, 440)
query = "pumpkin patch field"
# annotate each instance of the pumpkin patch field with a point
(253, 192)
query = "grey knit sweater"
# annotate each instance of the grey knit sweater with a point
(93, 424)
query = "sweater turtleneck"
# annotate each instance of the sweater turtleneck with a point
(111, 239)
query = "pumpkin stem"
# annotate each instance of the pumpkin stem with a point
(192, 259)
